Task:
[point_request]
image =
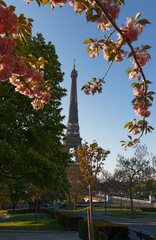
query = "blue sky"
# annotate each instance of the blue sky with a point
(102, 116)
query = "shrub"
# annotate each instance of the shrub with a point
(25, 211)
(69, 220)
(110, 230)
(104, 230)
(145, 209)
(83, 230)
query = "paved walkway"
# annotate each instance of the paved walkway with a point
(146, 225)
(37, 235)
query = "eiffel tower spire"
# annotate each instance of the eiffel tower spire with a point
(73, 138)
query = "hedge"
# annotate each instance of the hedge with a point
(104, 230)
(25, 211)
(146, 209)
(69, 220)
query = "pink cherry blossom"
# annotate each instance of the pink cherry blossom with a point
(37, 77)
(58, 2)
(93, 87)
(20, 89)
(134, 74)
(14, 81)
(143, 113)
(19, 66)
(103, 23)
(87, 91)
(131, 31)
(94, 50)
(105, 53)
(36, 91)
(45, 97)
(142, 58)
(135, 131)
(37, 104)
(71, 3)
(118, 58)
(78, 7)
(8, 21)
(7, 45)
(138, 92)
(29, 73)
(5, 69)
(114, 11)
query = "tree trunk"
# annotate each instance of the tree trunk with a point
(89, 231)
(69, 200)
(75, 200)
(91, 213)
(105, 206)
(13, 207)
(131, 198)
(121, 201)
(36, 210)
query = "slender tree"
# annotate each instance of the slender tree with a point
(134, 170)
(90, 158)
(77, 184)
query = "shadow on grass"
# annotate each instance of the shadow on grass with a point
(28, 221)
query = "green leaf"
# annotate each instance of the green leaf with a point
(150, 93)
(44, 2)
(146, 47)
(11, 7)
(148, 82)
(87, 41)
(130, 137)
(143, 21)
(3, 3)
(128, 69)
(141, 122)
(112, 56)
(94, 18)
(88, 48)
(130, 54)
(135, 140)
(137, 15)
(127, 124)
(151, 98)
(121, 2)
(39, 2)
(134, 84)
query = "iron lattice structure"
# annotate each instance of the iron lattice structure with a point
(73, 139)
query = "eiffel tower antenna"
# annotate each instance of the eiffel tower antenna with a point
(73, 138)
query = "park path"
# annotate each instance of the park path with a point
(37, 235)
(146, 225)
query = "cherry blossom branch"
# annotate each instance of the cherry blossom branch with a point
(120, 31)
(27, 85)
(110, 34)
(107, 70)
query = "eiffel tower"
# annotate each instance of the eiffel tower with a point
(73, 138)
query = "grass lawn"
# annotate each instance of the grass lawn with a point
(126, 213)
(28, 221)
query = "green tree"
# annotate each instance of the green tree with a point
(30, 141)
(90, 158)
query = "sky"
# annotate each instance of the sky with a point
(101, 117)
